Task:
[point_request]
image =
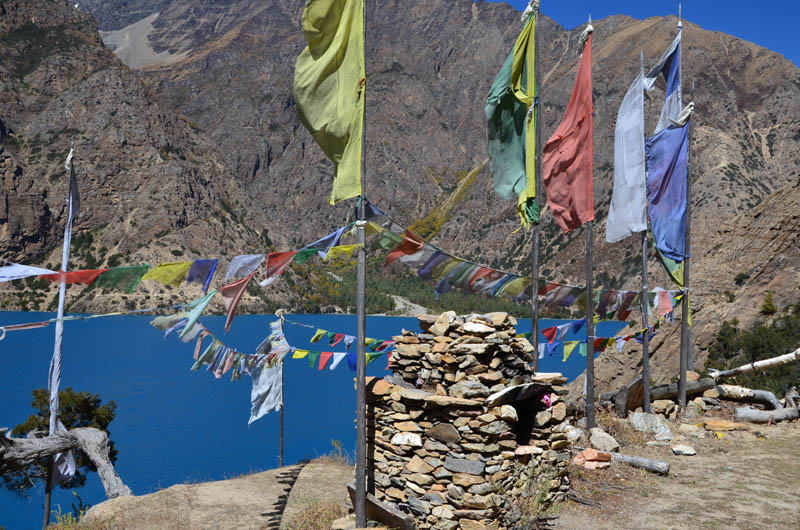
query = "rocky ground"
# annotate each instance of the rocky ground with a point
(741, 478)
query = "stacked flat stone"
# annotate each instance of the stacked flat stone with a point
(445, 429)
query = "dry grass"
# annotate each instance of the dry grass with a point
(317, 516)
(620, 429)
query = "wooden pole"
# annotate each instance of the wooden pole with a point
(685, 307)
(590, 421)
(280, 458)
(686, 310)
(361, 324)
(536, 228)
(644, 306)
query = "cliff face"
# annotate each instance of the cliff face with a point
(152, 188)
(219, 94)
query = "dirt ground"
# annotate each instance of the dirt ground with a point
(744, 480)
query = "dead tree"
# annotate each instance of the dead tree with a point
(748, 395)
(17, 453)
(758, 365)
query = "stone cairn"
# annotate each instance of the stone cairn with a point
(464, 432)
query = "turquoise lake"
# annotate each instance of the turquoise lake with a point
(173, 425)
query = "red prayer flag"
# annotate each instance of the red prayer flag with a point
(324, 357)
(567, 156)
(232, 294)
(276, 264)
(337, 339)
(599, 344)
(550, 334)
(86, 277)
(482, 272)
(411, 244)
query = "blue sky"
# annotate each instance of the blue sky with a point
(768, 23)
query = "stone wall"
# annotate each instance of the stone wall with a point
(464, 433)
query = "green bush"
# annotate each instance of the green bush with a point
(768, 307)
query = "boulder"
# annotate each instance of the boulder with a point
(444, 432)
(469, 389)
(476, 328)
(651, 424)
(684, 450)
(603, 441)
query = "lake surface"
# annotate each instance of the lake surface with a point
(173, 425)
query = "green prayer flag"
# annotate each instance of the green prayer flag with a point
(582, 349)
(304, 255)
(122, 278)
(312, 358)
(371, 356)
(329, 87)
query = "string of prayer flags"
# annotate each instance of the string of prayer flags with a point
(169, 274)
(244, 265)
(196, 309)
(201, 271)
(323, 245)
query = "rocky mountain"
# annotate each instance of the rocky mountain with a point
(226, 68)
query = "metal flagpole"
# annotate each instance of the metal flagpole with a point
(684, 355)
(280, 460)
(590, 421)
(361, 324)
(54, 377)
(537, 228)
(644, 306)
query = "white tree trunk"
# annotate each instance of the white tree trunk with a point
(748, 395)
(763, 416)
(20, 452)
(758, 365)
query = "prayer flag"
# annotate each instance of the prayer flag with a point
(542, 349)
(550, 334)
(275, 265)
(14, 271)
(411, 244)
(324, 358)
(372, 356)
(197, 308)
(627, 213)
(201, 271)
(337, 338)
(348, 341)
(551, 348)
(304, 255)
(169, 274)
(267, 392)
(567, 157)
(243, 265)
(122, 278)
(563, 329)
(666, 189)
(568, 347)
(673, 268)
(312, 358)
(341, 251)
(337, 358)
(329, 87)
(85, 277)
(578, 324)
(582, 349)
(318, 335)
(669, 67)
(352, 359)
(321, 246)
(232, 295)
(299, 354)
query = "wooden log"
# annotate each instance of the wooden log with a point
(20, 452)
(758, 365)
(748, 395)
(792, 398)
(659, 467)
(629, 397)
(670, 391)
(763, 416)
(383, 513)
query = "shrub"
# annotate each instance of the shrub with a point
(768, 307)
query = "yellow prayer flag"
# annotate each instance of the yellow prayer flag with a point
(341, 251)
(523, 83)
(568, 347)
(299, 354)
(170, 274)
(318, 335)
(329, 87)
